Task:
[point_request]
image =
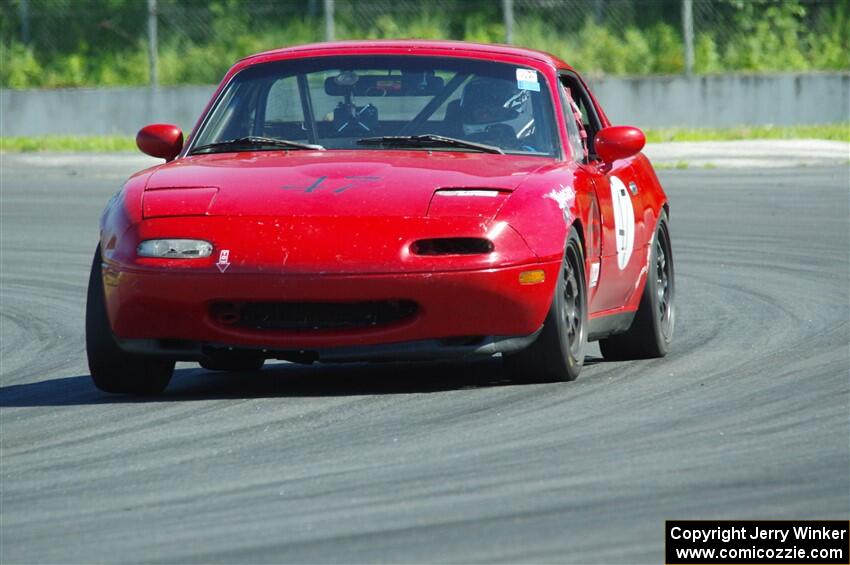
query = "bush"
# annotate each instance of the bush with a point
(20, 68)
(200, 39)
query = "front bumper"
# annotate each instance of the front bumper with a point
(422, 350)
(458, 312)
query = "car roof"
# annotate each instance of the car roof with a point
(406, 46)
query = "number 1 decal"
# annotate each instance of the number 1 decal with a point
(624, 221)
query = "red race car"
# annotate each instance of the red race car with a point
(384, 200)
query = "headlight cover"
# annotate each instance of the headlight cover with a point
(175, 248)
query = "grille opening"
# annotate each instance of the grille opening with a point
(226, 313)
(452, 246)
(313, 316)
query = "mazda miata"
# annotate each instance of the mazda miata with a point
(384, 200)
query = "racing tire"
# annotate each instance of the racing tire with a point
(558, 352)
(651, 331)
(113, 370)
(237, 362)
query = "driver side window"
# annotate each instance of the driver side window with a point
(589, 119)
(574, 128)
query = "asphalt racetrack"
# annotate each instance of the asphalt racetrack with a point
(747, 418)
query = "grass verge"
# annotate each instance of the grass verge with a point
(116, 144)
(832, 132)
(69, 144)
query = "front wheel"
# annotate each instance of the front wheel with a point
(113, 370)
(652, 329)
(558, 352)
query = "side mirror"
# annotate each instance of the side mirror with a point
(160, 140)
(618, 142)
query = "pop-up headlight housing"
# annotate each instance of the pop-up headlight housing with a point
(168, 202)
(466, 202)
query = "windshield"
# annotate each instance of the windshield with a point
(336, 102)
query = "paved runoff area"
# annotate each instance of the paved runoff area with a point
(746, 418)
(751, 154)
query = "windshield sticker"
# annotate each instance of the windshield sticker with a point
(526, 79)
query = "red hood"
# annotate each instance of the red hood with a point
(338, 182)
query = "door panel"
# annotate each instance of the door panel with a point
(584, 181)
(622, 256)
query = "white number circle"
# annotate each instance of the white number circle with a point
(624, 221)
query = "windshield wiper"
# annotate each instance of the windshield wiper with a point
(428, 140)
(255, 142)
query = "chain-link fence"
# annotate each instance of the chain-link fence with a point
(106, 42)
